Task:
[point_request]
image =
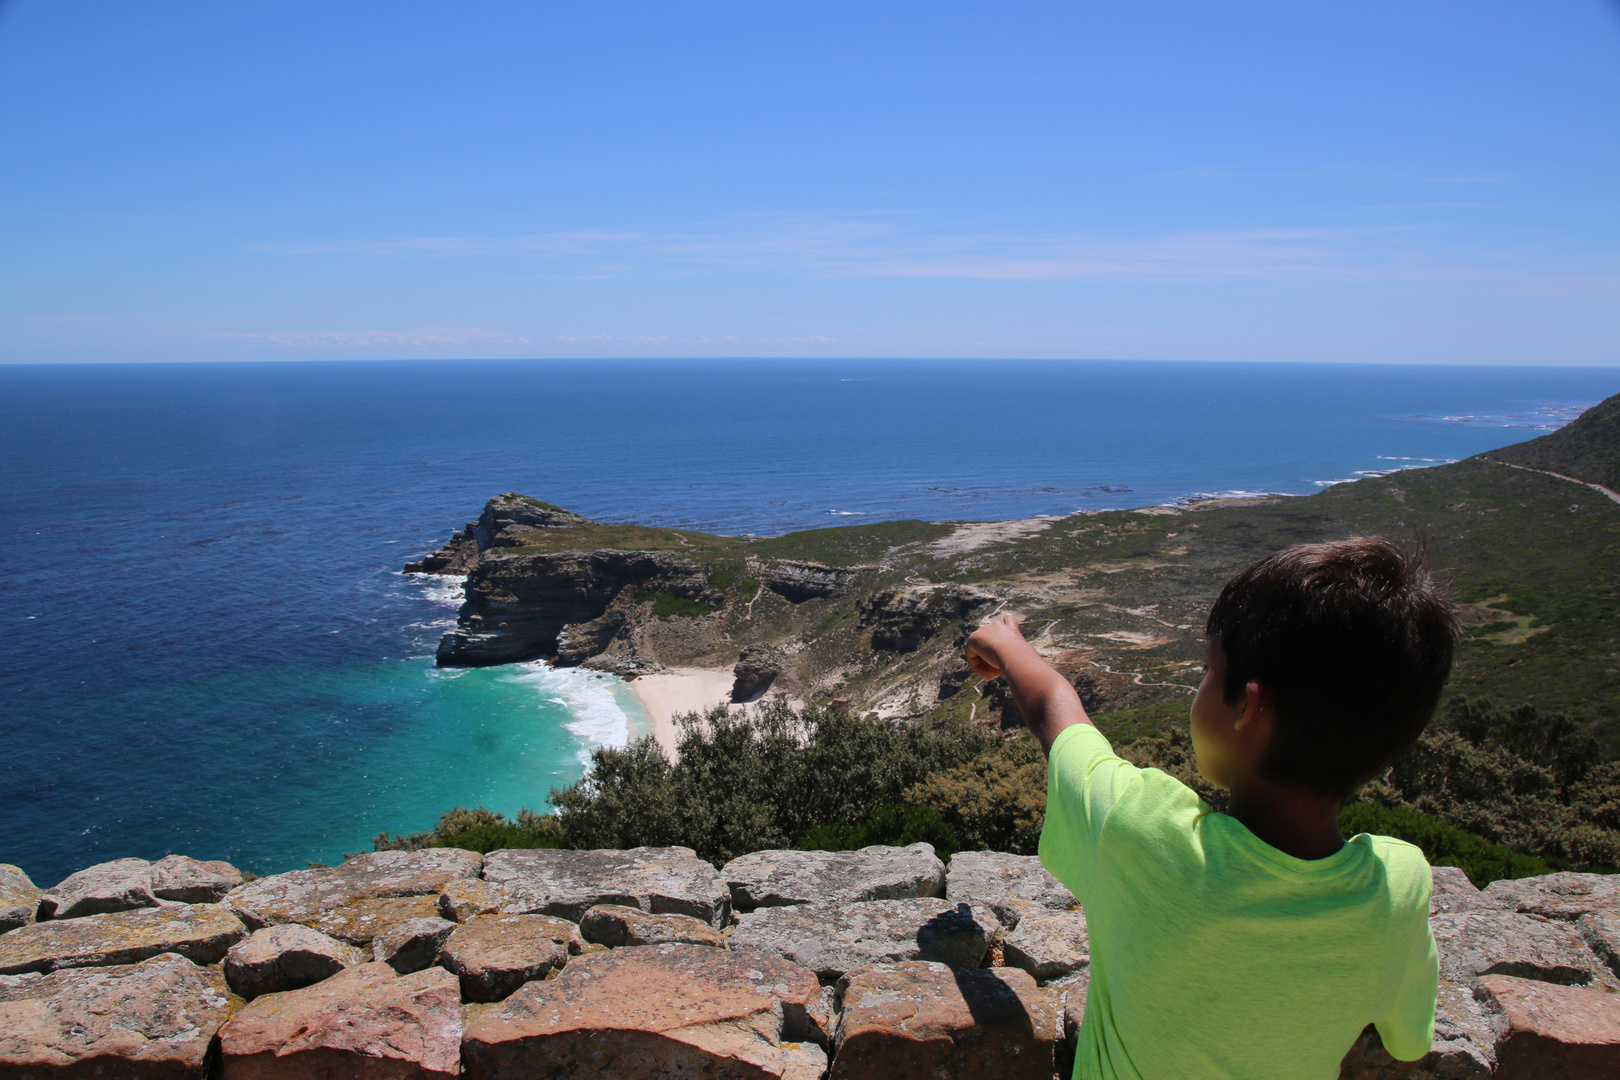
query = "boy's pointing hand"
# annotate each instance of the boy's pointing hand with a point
(987, 645)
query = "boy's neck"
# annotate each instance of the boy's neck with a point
(1300, 823)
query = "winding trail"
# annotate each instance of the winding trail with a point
(1139, 679)
(1614, 496)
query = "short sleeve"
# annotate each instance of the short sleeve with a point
(1407, 1029)
(1085, 779)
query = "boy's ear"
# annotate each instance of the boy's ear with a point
(1258, 706)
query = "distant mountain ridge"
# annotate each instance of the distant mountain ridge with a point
(1587, 448)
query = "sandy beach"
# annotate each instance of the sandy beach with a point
(679, 690)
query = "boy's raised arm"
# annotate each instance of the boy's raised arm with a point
(1046, 699)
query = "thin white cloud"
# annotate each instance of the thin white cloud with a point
(420, 337)
(901, 245)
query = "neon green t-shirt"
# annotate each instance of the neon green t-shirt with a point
(1214, 956)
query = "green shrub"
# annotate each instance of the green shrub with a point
(755, 779)
(995, 802)
(1443, 843)
(495, 837)
(895, 824)
(666, 605)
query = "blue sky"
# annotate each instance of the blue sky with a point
(1413, 181)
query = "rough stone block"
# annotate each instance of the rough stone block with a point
(1601, 932)
(465, 899)
(780, 878)
(1553, 1031)
(1368, 1060)
(119, 885)
(190, 881)
(413, 944)
(831, 939)
(1453, 892)
(306, 896)
(656, 1012)
(569, 883)
(493, 955)
(615, 926)
(994, 878)
(1048, 944)
(1068, 999)
(149, 1021)
(917, 1021)
(286, 957)
(199, 932)
(1565, 895)
(364, 1023)
(18, 898)
(1475, 943)
(363, 921)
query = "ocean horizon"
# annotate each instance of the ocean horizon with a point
(210, 647)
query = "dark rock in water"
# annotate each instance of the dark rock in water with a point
(903, 618)
(151, 1020)
(578, 642)
(518, 603)
(755, 671)
(119, 885)
(458, 556)
(800, 581)
(508, 520)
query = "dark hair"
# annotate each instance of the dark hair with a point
(1354, 638)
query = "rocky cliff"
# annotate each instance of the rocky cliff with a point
(858, 965)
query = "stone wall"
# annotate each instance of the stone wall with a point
(882, 963)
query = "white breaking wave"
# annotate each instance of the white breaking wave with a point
(594, 716)
(445, 589)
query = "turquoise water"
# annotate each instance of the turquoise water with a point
(207, 646)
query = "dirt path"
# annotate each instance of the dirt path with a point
(1614, 496)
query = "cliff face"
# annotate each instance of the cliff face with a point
(521, 605)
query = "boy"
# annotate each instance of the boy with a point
(1256, 943)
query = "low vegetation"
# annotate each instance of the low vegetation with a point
(1498, 793)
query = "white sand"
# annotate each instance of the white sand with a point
(679, 690)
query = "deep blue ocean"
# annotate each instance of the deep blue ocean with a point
(208, 646)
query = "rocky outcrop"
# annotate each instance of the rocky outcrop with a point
(778, 878)
(656, 1011)
(1048, 944)
(756, 670)
(832, 939)
(616, 926)
(1476, 943)
(508, 520)
(119, 885)
(190, 881)
(1006, 883)
(924, 1020)
(1453, 892)
(413, 944)
(155, 1020)
(493, 955)
(366, 1022)
(1565, 895)
(518, 604)
(199, 932)
(798, 581)
(319, 898)
(1550, 1030)
(18, 898)
(578, 642)
(286, 957)
(466, 898)
(569, 883)
(903, 618)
